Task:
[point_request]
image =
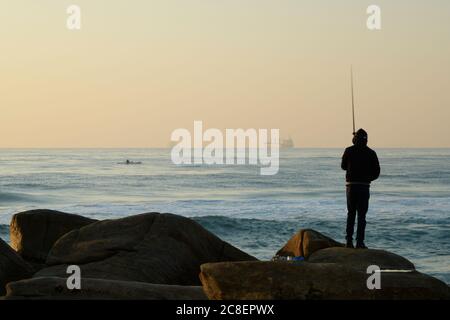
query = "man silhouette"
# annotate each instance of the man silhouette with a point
(362, 166)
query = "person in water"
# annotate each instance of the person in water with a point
(362, 166)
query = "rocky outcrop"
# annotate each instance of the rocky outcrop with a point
(317, 281)
(305, 242)
(56, 288)
(34, 232)
(151, 247)
(160, 256)
(12, 266)
(361, 259)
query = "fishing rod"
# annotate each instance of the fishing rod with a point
(353, 100)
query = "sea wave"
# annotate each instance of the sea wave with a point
(9, 197)
(4, 232)
(261, 237)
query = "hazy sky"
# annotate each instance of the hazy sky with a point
(137, 70)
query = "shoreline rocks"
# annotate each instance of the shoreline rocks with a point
(305, 242)
(361, 259)
(34, 232)
(312, 281)
(165, 256)
(99, 289)
(12, 266)
(150, 247)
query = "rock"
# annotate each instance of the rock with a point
(361, 259)
(34, 232)
(287, 281)
(56, 288)
(151, 247)
(305, 242)
(12, 266)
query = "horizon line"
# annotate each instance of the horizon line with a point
(307, 147)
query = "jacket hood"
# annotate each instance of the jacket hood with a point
(360, 138)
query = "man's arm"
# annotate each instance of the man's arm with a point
(375, 166)
(344, 160)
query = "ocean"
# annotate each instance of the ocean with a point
(409, 210)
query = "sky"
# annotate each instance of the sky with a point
(137, 70)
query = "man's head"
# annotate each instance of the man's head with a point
(360, 138)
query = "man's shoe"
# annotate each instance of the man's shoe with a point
(349, 244)
(360, 245)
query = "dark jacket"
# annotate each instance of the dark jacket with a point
(361, 164)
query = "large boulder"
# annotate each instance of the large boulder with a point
(361, 259)
(33, 233)
(151, 247)
(316, 281)
(12, 266)
(305, 242)
(56, 288)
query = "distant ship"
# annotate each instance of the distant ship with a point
(287, 143)
(284, 143)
